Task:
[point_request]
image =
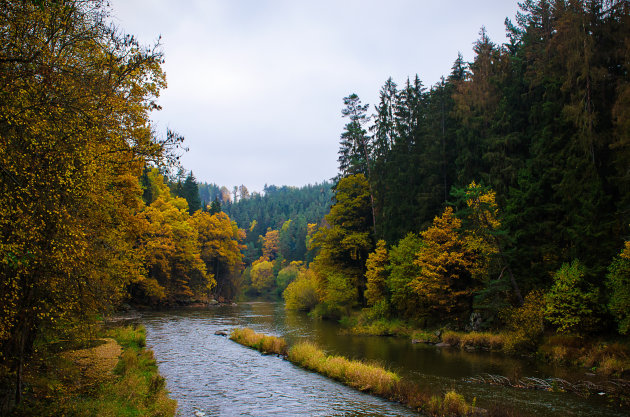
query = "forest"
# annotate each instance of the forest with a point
(497, 199)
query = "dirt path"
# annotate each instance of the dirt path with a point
(97, 363)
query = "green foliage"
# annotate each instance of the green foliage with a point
(571, 303)
(287, 275)
(262, 276)
(354, 144)
(618, 282)
(376, 274)
(543, 120)
(130, 337)
(259, 212)
(404, 300)
(344, 245)
(301, 294)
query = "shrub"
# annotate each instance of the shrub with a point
(618, 282)
(483, 340)
(452, 404)
(571, 303)
(287, 275)
(301, 294)
(525, 324)
(451, 337)
(528, 319)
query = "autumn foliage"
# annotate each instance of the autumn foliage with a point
(78, 232)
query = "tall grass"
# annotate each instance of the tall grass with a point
(260, 342)
(357, 374)
(353, 373)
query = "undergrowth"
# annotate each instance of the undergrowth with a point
(57, 386)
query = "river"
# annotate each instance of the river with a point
(211, 375)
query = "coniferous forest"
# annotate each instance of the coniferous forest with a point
(492, 206)
(509, 177)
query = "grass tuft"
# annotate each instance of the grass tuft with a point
(363, 376)
(263, 343)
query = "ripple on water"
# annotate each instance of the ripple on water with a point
(213, 375)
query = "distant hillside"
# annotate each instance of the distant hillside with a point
(271, 209)
(279, 204)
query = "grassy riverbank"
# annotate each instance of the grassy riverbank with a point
(608, 357)
(365, 377)
(114, 376)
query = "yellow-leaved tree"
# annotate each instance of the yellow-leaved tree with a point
(221, 251)
(449, 268)
(175, 270)
(75, 98)
(262, 275)
(376, 275)
(271, 244)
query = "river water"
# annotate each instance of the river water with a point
(210, 375)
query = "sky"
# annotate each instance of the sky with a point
(256, 86)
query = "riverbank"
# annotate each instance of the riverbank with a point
(365, 377)
(111, 376)
(608, 357)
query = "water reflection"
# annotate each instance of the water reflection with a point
(211, 374)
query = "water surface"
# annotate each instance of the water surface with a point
(212, 375)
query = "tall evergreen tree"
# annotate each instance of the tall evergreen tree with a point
(190, 191)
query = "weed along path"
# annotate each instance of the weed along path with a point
(210, 375)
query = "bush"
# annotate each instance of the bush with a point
(571, 302)
(451, 337)
(525, 324)
(286, 276)
(453, 404)
(301, 294)
(618, 282)
(484, 340)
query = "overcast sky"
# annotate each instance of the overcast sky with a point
(256, 87)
